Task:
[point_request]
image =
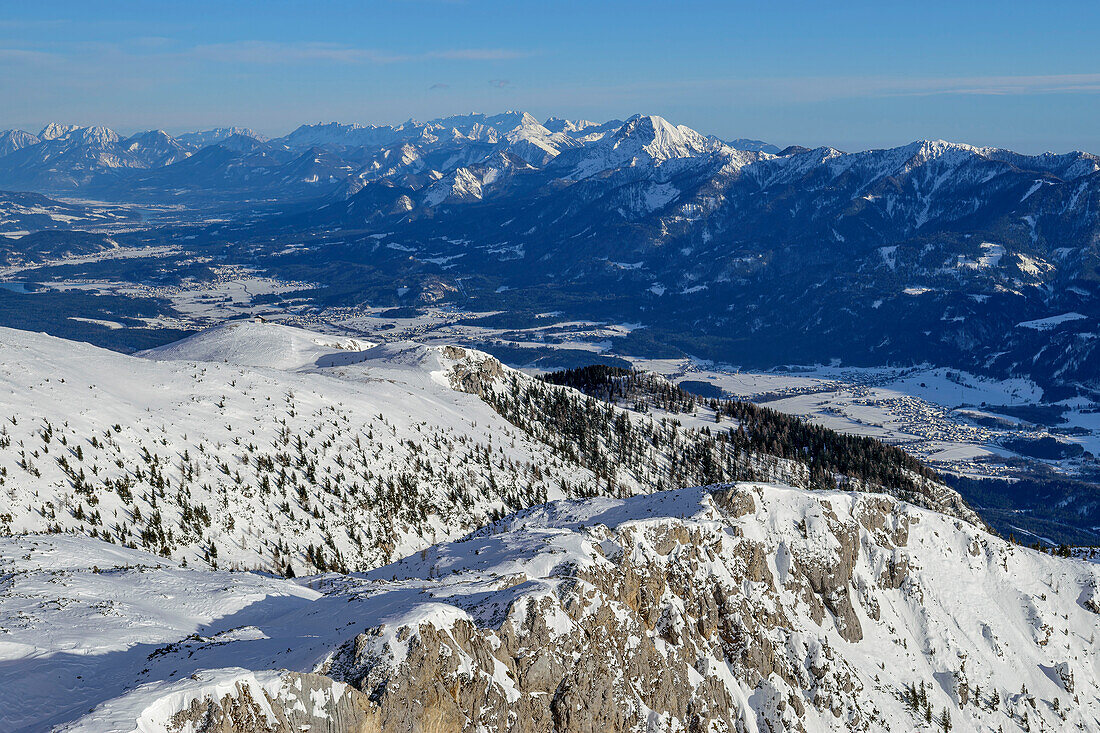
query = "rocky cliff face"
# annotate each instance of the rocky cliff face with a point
(737, 607)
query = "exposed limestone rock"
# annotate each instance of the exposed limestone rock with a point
(298, 702)
(239, 701)
(643, 633)
(470, 374)
(1065, 676)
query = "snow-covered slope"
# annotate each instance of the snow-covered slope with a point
(12, 140)
(258, 344)
(263, 446)
(259, 445)
(31, 212)
(647, 141)
(747, 607)
(54, 131)
(155, 148)
(338, 135)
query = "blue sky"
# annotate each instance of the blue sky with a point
(848, 74)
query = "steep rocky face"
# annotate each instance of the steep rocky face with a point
(300, 702)
(745, 616)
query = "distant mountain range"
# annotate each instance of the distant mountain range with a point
(940, 252)
(312, 160)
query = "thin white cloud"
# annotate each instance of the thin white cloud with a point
(33, 24)
(1029, 84)
(883, 86)
(145, 52)
(267, 52)
(478, 54)
(810, 89)
(26, 56)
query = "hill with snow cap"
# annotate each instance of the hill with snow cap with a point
(258, 344)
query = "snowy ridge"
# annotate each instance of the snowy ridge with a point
(736, 607)
(333, 424)
(258, 344)
(54, 131)
(642, 141)
(12, 140)
(260, 445)
(203, 138)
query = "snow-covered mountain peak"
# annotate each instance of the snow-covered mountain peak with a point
(643, 140)
(244, 144)
(155, 148)
(560, 124)
(338, 135)
(94, 136)
(503, 123)
(287, 348)
(151, 135)
(660, 138)
(922, 151)
(516, 119)
(12, 140)
(54, 131)
(510, 127)
(202, 138)
(759, 146)
(537, 144)
(436, 360)
(469, 183)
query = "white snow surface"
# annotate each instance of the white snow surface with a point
(270, 345)
(199, 418)
(250, 445)
(1046, 324)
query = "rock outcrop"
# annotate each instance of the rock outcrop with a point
(742, 607)
(743, 616)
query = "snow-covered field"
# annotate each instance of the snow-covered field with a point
(241, 420)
